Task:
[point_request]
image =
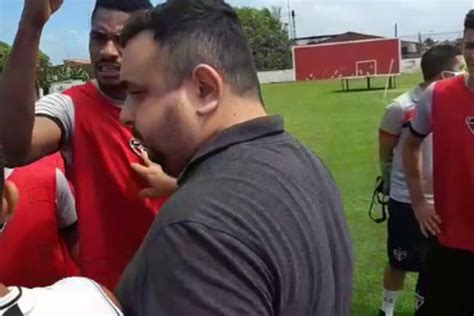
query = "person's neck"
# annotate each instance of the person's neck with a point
(425, 85)
(115, 95)
(240, 111)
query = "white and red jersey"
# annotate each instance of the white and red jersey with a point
(32, 250)
(98, 150)
(395, 121)
(71, 296)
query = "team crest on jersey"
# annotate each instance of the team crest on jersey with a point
(137, 146)
(470, 123)
(400, 254)
(420, 300)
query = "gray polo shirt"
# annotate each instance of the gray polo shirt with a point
(256, 228)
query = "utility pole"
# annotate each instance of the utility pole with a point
(396, 30)
(293, 18)
(290, 28)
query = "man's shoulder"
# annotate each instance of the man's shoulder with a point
(69, 96)
(242, 182)
(448, 85)
(79, 91)
(403, 101)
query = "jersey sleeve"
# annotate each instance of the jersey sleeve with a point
(60, 109)
(392, 120)
(420, 125)
(66, 205)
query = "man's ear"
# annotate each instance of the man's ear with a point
(210, 87)
(9, 201)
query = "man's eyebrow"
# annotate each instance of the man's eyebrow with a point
(97, 32)
(104, 33)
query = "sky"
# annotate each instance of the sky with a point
(66, 35)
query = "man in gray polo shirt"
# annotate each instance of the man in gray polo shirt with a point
(256, 226)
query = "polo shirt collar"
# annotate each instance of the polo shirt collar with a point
(237, 134)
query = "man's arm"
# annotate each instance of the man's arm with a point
(389, 134)
(387, 143)
(24, 137)
(420, 127)
(413, 169)
(192, 269)
(66, 213)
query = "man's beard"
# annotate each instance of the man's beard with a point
(155, 156)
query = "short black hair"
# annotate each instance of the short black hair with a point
(438, 59)
(469, 20)
(192, 32)
(128, 6)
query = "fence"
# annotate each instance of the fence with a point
(287, 75)
(433, 37)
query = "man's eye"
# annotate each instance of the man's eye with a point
(135, 92)
(98, 37)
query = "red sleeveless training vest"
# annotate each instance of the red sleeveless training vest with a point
(112, 219)
(32, 251)
(453, 161)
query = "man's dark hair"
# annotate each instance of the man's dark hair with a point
(469, 20)
(193, 32)
(128, 6)
(438, 59)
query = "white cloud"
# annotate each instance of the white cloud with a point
(313, 17)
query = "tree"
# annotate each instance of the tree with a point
(43, 59)
(4, 52)
(42, 67)
(268, 38)
(429, 42)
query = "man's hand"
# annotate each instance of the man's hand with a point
(37, 12)
(9, 200)
(3, 290)
(161, 184)
(428, 219)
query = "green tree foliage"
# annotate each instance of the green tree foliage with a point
(45, 72)
(4, 51)
(268, 38)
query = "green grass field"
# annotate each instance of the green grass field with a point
(341, 127)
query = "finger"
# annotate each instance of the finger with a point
(437, 219)
(146, 158)
(55, 5)
(434, 225)
(148, 193)
(430, 228)
(3, 211)
(141, 170)
(12, 195)
(423, 231)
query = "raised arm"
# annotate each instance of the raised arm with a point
(26, 138)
